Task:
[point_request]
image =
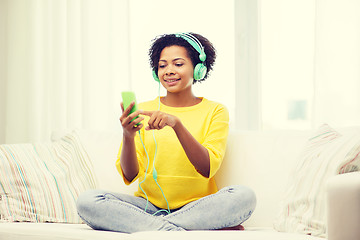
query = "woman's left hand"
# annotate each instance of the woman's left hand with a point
(158, 120)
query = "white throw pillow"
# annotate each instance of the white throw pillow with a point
(327, 153)
(102, 146)
(41, 182)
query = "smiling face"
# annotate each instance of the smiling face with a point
(175, 69)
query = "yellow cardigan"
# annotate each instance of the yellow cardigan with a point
(208, 122)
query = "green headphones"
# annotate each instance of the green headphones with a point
(200, 68)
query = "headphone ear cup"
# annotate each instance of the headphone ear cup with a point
(199, 71)
(156, 78)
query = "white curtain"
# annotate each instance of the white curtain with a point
(65, 62)
(337, 63)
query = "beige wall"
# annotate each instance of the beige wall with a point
(3, 17)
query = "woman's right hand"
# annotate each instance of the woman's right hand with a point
(130, 127)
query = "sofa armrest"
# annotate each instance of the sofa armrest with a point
(343, 201)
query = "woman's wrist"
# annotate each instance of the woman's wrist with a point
(128, 137)
(177, 124)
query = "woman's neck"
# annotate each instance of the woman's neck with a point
(180, 100)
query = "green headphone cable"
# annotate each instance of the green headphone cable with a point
(154, 169)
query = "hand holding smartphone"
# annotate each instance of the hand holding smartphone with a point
(128, 97)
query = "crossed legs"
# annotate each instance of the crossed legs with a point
(103, 210)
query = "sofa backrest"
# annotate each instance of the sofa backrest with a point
(263, 162)
(260, 160)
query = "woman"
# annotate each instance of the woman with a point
(174, 149)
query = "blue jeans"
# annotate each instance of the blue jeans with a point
(103, 210)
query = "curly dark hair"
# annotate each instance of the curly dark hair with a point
(167, 40)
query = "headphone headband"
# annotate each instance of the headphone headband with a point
(195, 43)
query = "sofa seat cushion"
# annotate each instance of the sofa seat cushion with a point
(57, 231)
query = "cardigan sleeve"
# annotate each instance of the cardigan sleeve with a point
(216, 138)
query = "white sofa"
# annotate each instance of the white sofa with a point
(260, 160)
